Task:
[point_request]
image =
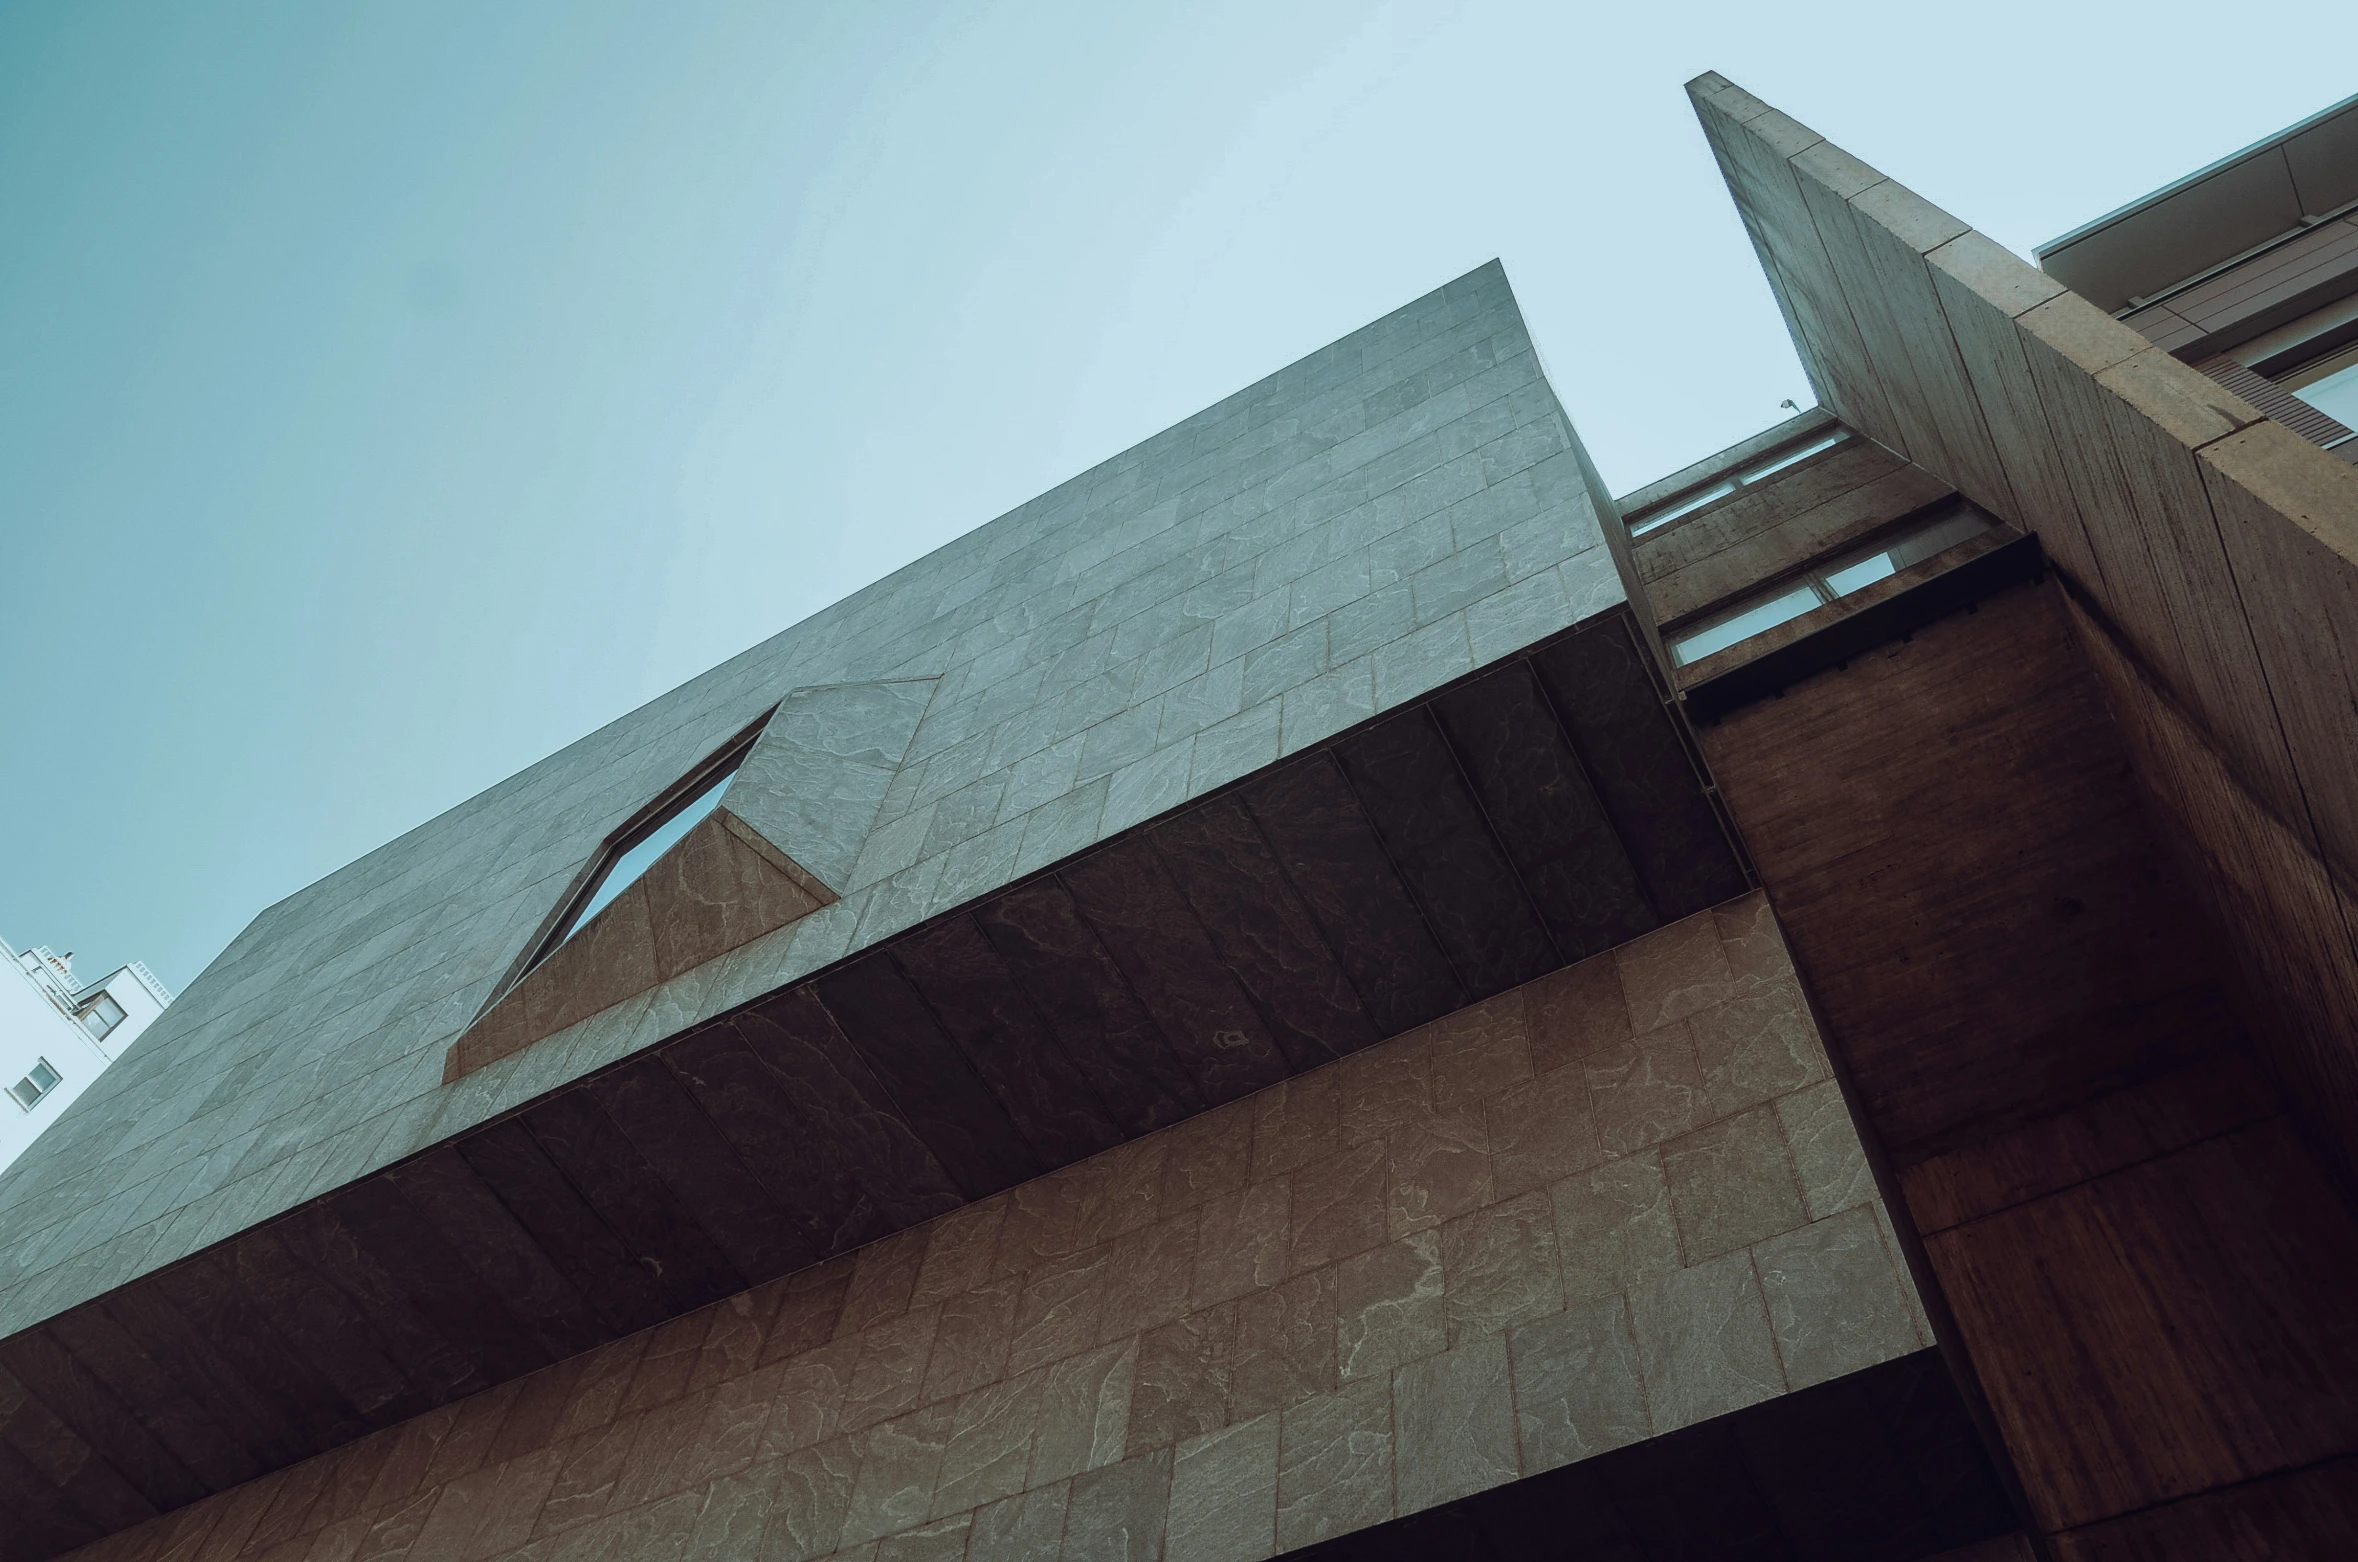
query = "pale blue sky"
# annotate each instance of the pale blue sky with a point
(391, 393)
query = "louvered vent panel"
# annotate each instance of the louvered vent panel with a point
(2274, 400)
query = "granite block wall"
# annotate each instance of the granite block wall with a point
(1615, 1202)
(1350, 533)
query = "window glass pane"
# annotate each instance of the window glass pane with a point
(2335, 394)
(1842, 582)
(1743, 624)
(1937, 536)
(23, 1093)
(1798, 453)
(43, 1075)
(627, 867)
(1687, 506)
(102, 1016)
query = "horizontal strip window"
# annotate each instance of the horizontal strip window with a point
(1830, 582)
(1710, 493)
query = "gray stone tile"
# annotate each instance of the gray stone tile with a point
(1390, 1307)
(1376, 619)
(1827, 1155)
(1224, 1495)
(1059, 828)
(1020, 1529)
(1294, 659)
(1755, 1047)
(1522, 614)
(1614, 1226)
(1205, 700)
(1317, 504)
(1731, 1184)
(1334, 1467)
(1328, 704)
(1837, 1299)
(1421, 662)
(1578, 1392)
(1148, 786)
(1458, 580)
(1234, 748)
(1499, 1267)
(1117, 1513)
(1704, 1346)
(1455, 1425)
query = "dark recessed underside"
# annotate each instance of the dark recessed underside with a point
(1879, 1466)
(1538, 812)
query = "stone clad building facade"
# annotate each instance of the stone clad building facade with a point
(1329, 988)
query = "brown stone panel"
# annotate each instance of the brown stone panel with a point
(1182, 1378)
(1226, 868)
(1332, 857)
(2199, 1339)
(1155, 1339)
(1081, 995)
(713, 891)
(1155, 936)
(969, 991)
(1334, 1464)
(2309, 1513)
(1405, 776)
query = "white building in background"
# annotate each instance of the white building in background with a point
(57, 1035)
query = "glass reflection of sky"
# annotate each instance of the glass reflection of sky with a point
(627, 867)
(2336, 395)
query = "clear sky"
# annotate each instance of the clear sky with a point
(391, 393)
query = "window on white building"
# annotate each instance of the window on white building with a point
(29, 1090)
(100, 1016)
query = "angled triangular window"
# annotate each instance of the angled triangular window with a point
(628, 856)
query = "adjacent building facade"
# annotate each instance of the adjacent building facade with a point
(1329, 987)
(58, 1034)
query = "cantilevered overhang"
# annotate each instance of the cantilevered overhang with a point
(2273, 190)
(1440, 762)
(1542, 810)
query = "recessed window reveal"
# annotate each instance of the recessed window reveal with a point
(1829, 583)
(628, 857)
(1689, 503)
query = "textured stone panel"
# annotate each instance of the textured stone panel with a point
(1455, 1426)
(1578, 1391)
(874, 1406)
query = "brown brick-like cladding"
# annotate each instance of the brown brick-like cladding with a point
(2148, 1270)
(1615, 1202)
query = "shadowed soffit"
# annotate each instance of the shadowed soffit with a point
(1878, 1466)
(1539, 811)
